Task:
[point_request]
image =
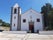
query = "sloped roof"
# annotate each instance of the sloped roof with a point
(31, 11)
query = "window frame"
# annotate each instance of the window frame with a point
(24, 20)
(14, 25)
(38, 19)
(15, 10)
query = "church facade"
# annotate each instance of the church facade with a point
(28, 21)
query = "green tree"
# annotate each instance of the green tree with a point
(45, 10)
(50, 20)
(5, 24)
(0, 21)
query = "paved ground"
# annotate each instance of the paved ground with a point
(6, 36)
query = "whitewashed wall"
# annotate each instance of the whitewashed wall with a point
(14, 21)
(35, 15)
(17, 20)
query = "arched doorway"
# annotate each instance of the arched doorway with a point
(31, 27)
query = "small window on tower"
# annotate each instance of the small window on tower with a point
(14, 25)
(15, 10)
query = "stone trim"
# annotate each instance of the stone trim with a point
(18, 20)
(11, 19)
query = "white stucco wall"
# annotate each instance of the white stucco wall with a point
(27, 15)
(35, 16)
(14, 21)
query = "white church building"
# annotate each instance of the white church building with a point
(28, 21)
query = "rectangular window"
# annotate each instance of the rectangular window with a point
(14, 25)
(24, 20)
(38, 20)
(15, 10)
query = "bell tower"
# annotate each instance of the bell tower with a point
(15, 22)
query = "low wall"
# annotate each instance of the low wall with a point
(4, 28)
(46, 32)
(15, 32)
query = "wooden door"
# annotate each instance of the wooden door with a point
(31, 27)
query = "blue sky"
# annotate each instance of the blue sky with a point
(5, 6)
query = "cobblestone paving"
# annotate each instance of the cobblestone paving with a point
(6, 36)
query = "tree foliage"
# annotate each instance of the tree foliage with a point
(0, 21)
(50, 20)
(47, 11)
(4, 23)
